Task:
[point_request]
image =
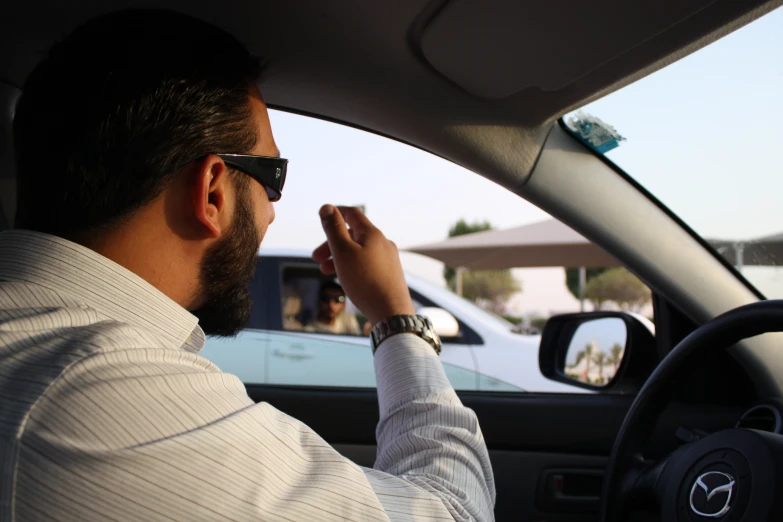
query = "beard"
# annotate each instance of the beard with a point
(226, 272)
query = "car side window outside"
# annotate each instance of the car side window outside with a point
(489, 306)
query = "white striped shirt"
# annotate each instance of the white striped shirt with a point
(109, 413)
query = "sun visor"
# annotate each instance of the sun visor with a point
(496, 48)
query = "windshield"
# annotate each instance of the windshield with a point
(704, 136)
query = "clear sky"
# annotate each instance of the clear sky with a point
(703, 134)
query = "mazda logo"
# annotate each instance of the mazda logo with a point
(712, 493)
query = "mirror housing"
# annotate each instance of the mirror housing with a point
(638, 354)
(445, 324)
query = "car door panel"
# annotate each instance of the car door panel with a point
(460, 355)
(288, 359)
(530, 437)
(306, 361)
(246, 355)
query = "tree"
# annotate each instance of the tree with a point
(572, 278)
(461, 228)
(600, 359)
(538, 323)
(616, 355)
(620, 286)
(487, 288)
(588, 360)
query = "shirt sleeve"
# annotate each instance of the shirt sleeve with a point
(427, 440)
(162, 434)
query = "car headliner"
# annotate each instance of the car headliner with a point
(478, 83)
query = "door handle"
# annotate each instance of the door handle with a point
(296, 352)
(570, 490)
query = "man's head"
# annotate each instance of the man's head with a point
(331, 302)
(116, 136)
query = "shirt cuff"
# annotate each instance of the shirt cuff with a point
(407, 368)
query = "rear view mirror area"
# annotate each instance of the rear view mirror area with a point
(596, 351)
(445, 324)
(609, 351)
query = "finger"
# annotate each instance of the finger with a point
(322, 253)
(328, 268)
(358, 222)
(337, 235)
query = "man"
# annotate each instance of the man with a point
(331, 316)
(138, 227)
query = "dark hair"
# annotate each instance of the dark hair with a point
(117, 107)
(330, 285)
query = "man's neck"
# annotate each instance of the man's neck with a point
(152, 254)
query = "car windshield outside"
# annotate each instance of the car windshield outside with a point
(703, 135)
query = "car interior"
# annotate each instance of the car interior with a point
(485, 85)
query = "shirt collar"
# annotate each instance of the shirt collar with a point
(111, 289)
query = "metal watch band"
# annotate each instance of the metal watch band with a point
(396, 324)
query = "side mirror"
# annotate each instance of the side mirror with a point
(610, 351)
(445, 324)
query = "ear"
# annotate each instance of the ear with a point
(209, 195)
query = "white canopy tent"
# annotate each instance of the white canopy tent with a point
(546, 243)
(542, 244)
(764, 251)
(551, 243)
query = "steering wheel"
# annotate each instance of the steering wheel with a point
(733, 475)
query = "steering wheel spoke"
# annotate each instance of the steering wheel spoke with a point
(643, 485)
(644, 492)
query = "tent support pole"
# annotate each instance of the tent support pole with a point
(739, 256)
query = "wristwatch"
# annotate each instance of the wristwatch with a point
(396, 324)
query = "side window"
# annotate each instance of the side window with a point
(314, 303)
(489, 265)
(297, 360)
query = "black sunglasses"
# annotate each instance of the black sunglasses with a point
(268, 171)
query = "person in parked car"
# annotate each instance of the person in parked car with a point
(332, 317)
(147, 171)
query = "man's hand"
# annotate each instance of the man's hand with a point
(367, 264)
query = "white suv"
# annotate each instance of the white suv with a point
(480, 350)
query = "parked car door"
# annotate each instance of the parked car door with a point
(288, 359)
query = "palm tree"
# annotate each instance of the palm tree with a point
(600, 360)
(616, 355)
(588, 358)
